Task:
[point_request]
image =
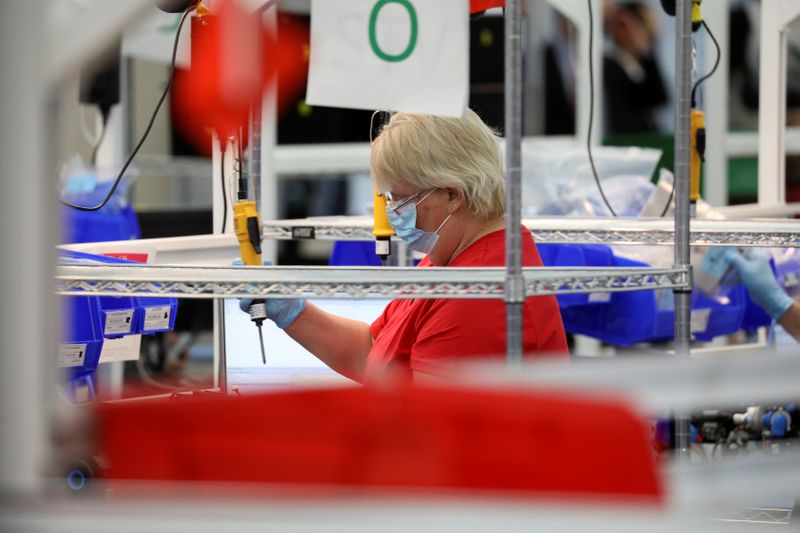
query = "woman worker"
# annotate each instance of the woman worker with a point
(443, 181)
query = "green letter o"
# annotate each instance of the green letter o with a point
(412, 39)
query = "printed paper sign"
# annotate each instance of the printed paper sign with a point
(122, 349)
(395, 55)
(139, 257)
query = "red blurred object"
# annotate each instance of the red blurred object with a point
(234, 60)
(529, 443)
(476, 6)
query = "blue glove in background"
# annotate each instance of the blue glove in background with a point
(757, 276)
(282, 311)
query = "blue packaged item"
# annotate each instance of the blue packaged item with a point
(116, 221)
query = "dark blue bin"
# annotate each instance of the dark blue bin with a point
(119, 316)
(353, 253)
(648, 316)
(150, 315)
(567, 255)
(156, 315)
(82, 340)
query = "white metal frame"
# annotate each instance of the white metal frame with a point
(776, 15)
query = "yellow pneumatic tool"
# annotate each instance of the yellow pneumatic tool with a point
(382, 229)
(248, 232)
(698, 150)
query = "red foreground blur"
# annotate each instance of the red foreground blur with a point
(528, 443)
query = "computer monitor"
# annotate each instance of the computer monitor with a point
(289, 365)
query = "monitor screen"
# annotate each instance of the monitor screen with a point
(288, 364)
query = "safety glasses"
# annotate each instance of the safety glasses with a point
(397, 204)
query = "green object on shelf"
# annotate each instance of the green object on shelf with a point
(743, 179)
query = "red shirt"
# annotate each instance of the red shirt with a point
(433, 335)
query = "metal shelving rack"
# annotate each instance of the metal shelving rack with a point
(344, 282)
(564, 230)
(514, 283)
(220, 282)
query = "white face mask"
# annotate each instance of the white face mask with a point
(403, 218)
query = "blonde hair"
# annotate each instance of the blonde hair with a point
(428, 152)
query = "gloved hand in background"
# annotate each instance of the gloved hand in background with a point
(760, 281)
(282, 311)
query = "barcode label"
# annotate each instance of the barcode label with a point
(71, 354)
(699, 322)
(156, 318)
(118, 322)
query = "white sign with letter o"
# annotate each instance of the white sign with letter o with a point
(396, 55)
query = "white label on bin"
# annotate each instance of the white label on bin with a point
(600, 297)
(156, 317)
(118, 322)
(71, 354)
(699, 321)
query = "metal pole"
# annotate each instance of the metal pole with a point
(683, 80)
(219, 341)
(29, 318)
(254, 151)
(515, 285)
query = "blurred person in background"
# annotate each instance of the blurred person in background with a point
(443, 179)
(634, 87)
(559, 79)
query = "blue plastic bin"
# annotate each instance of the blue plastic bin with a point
(353, 253)
(648, 316)
(79, 351)
(149, 315)
(119, 316)
(156, 315)
(566, 255)
(116, 221)
(99, 226)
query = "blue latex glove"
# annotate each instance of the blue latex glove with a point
(715, 264)
(282, 311)
(757, 276)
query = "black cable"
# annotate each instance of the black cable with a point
(591, 110)
(222, 182)
(694, 100)
(669, 201)
(713, 69)
(99, 141)
(149, 124)
(243, 182)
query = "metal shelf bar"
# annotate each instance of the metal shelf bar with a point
(565, 230)
(346, 282)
